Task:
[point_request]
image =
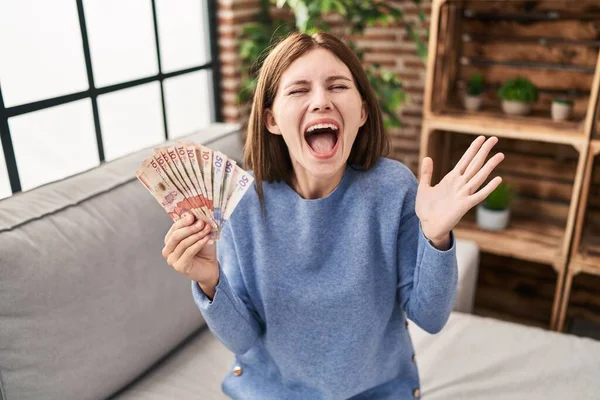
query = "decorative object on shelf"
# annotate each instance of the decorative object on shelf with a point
(473, 97)
(561, 109)
(494, 213)
(517, 96)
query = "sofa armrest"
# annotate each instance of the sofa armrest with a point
(467, 256)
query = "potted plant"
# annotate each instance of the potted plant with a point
(473, 97)
(517, 96)
(561, 109)
(494, 213)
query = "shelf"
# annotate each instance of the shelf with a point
(588, 263)
(497, 123)
(524, 43)
(586, 257)
(591, 246)
(525, 238)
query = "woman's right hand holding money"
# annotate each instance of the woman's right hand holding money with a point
(187, 250)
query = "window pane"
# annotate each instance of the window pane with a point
(183, 33)
(42, 54)
(131, 120)
(188, 102)
(54, 143)
(5, 189)
(121, 37)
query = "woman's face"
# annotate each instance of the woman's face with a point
(318, 111)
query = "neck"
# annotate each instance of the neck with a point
(309, 187)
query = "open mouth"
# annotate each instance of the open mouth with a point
(323, 137)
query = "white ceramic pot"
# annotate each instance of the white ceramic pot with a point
(473, 103)
(492, 220)
(516, 107)
(560, 111)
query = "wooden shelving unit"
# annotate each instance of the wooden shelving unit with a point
(552, 43)
(586, 242)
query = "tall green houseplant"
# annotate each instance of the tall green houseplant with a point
(310, 16)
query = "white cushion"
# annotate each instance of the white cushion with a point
(478, 358)
(467, 256)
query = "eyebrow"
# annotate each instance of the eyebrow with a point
(329, 79)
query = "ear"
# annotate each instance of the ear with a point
(270, 122)
(364, 113)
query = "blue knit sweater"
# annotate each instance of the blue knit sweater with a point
(313, 299)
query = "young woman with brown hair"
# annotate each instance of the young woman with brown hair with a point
(318, 269)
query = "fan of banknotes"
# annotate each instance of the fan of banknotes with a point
(188, 177)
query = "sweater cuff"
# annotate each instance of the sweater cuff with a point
(227, 316)
(202, 300)
(430, 246)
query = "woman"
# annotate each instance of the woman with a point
(318, 269)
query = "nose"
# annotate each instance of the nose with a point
(320, 100)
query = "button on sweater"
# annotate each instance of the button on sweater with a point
(314, 294)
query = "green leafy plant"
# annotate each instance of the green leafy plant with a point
(566, 102)
(500, 198)
(475, 85)
(310, 16)
(390, 93)
(519, 89)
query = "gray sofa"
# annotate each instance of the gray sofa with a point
(90, 310)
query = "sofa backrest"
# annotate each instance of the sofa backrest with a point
(87, 303)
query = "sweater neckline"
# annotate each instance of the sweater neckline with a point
(335, 193)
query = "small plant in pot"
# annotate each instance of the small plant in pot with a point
(561, 109)
(493, 213)
(473, 97)
(517, 96)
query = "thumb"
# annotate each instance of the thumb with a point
(426, 171)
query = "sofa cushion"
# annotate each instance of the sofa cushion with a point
(194, 371)
(476, 358)
(472, 358)
(87, 302)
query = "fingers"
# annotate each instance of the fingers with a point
(187, 220)
(191, 251)
(184, 244)
(179, 234)
(479, 159)
(484, 172)
(465, 160)
(426, 171)
(485, 192)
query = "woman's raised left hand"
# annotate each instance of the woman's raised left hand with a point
(441, 207)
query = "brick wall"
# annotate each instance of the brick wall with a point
(389, 46)
(231, 16)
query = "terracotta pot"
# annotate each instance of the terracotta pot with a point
(473, 103)
(560, 111)
(492, 220)
(516, 107)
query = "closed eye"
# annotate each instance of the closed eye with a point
(338, 87)
(298, 91)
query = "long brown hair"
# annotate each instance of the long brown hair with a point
(267, 154)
